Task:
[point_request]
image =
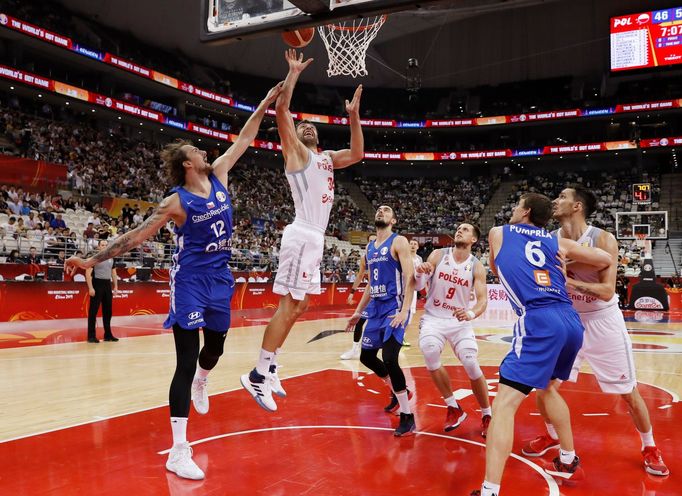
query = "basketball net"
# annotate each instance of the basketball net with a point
(644, 245)
(347, 42)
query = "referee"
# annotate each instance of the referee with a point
(99, 279)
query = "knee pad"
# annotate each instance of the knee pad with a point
(432, 350)
(469, 359)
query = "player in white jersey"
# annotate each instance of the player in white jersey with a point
(453, 274)
(606, 344)
(311, 177)
(417, 261)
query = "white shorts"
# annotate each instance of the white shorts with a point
(413, 306)
(460, 335)
(608, 349)
(300, 255)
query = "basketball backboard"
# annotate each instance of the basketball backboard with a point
(236, 19)
(652, 225)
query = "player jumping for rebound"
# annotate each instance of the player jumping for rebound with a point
(311, 177)
(547, 335)
(386, 306)
(452, 275)
(606, 345)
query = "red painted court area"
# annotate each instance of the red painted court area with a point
(330, 436)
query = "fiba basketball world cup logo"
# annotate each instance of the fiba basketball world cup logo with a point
(3, 19)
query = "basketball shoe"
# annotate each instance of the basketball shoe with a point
(539, 446)
(406, 427)
(260, 389)
(180, 461)
(393, 406)
(485, 423)
(566, 471)
(275, 383)
(653, 461)
(453, 418)
(352, 354)
(200, 395)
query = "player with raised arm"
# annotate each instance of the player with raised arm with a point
(452, 275)
(547, 335)
(201, 282)
(386, 306)
(606, 346)
(311, 177)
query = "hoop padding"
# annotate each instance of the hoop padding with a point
(347, 42)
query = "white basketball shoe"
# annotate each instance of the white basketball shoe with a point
(260, 388)
(180, 461)
(200, 395)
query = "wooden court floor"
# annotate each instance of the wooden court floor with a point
(93, 419)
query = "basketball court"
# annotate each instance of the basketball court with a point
(102, 427)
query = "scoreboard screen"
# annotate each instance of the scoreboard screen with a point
(641, 194)
(649, 39)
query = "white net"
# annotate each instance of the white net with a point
(347, 42)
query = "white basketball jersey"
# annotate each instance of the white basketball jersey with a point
(416, 260)
(581, 302)
(450, 286)
(313, 190)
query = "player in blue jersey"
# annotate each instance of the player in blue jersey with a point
(547, 335)
(386, 306)
(201, 281)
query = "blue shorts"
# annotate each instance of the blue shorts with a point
(201, 299)
(545, 345)
(377, 330)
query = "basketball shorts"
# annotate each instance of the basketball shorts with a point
(300, 256)
(379, 315)
(200, 299)
(608, 349)
(460, 335)
(545, 344)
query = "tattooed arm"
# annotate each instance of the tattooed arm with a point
(169, 208)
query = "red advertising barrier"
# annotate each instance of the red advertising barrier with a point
(65, 300)
(34, 175)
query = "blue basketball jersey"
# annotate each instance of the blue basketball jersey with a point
(527, 267)
(385, 272)
(203, 241)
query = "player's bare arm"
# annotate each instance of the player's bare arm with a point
(481, 292)
(356, 152)
(424, 271)
(495, 243)
(595, 257)
(606, 287)
(295, 153)
(362, 304)
(223, 164)
(401, 250)
(358, 280)
(169, 209)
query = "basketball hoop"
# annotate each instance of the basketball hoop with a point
(347, 42)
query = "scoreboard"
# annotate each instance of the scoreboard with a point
(648, 39)
(641, 194)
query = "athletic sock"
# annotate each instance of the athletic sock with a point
(403, 401)
(551, 431)
(274, 358)
(490, 489)
(179, 427)
(264, 361)
(201, 373)
(647, 438)
(451, 401)
(487, 411)
(566, 457)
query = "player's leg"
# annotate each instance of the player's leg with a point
(466, 350)
(653, 459)
(107, 301)
(501, 433)
(390, 353)
(186, 352)
(92, 314)
(431, 343)
(214, 342)
(354, 352)
(544, 442)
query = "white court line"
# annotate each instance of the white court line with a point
(673, 394)
(132, 412)
(361, 384)
(595, 414)
(551, 483)
(437, 406)
(665, 407)
(373, 391)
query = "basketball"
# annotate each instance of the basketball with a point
(298, 38)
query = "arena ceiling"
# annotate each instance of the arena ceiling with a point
(458, 44)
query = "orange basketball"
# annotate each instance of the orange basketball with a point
(298, 38)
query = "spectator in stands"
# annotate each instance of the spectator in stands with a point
(20, 230)
(89, 231)
(58, 222)
(10, 227)
(32, 221)
(61, 258)
(14, 257)
(48, 214)
(32, 257)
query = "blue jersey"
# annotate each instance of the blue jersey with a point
(203, 241)
(385, 272)
(527, 267)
